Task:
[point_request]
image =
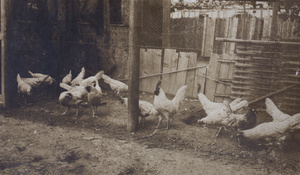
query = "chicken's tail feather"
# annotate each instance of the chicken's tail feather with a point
(65, 86)
(99, 74)
(180, 95)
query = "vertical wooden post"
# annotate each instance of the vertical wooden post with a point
(134, 68)
(4, 15)
(274, 26)
(166, 23)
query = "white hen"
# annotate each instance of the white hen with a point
(68, 78)
(168, 108)
(115, 85)
(146, 109)
(274, 112)
(274, 131)
(76, 81)
(46, 78)
(92, 79)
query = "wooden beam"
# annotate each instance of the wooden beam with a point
(4, 20)
(166, 23)
(256, 41)
(134, 69)
(274, 26)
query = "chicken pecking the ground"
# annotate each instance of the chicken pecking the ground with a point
(73, 98)
(68, 78)
(168, 108)
(24, 89)
(271, 133)
(235, 114)
(92, 79)
(115, 85)
(94, 96)
(76, 81)
(35, 82)
(48, 80)
(145, 109)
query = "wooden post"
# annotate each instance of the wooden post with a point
(274, 26)
(4, 16)
(134, 68)
(166, 23)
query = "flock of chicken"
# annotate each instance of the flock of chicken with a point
(236, 114)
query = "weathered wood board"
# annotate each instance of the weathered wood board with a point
(169, 65)
(150, 63)
(182, 65)
(190, 75)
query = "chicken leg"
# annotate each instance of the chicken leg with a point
(65, 112)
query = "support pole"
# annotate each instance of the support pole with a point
(134, 68)
(274, 26)
(166, 23)
(4, 16)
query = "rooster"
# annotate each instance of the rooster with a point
(94, 96)
(68, 78)
(167, 108)
(145, 109)
(88, 81)
(115, 85)
(24, 88)
(76, 81)
(73, 97)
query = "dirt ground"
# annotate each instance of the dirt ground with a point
(35, 139)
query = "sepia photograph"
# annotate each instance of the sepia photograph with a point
(150, 87)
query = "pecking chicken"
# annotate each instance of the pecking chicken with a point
(35, 82)
(24, 88)
(167, 108)
(76, 81)
(88, 81)
(210, 106)
(115, 85)
(273, 111)
(48, 80)
(73, 98)
(146, 109)
(68, 78)
(94, 96)
(268, 132)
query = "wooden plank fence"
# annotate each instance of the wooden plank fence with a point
(224, 75)
(178, 69)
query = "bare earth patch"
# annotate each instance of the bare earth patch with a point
(35, 139)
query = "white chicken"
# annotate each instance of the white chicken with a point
(115, 85)
(274, 131)
(76, 81)
(48, 80)
(35, 82)
(210, 106)
(146, 109)
(167, 108)
(73, 98)
(92, 79)
(68, 78)
(24, 89)
(94, 96)
(273, 111)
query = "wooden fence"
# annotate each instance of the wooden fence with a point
(175, 68)
(232, 70)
